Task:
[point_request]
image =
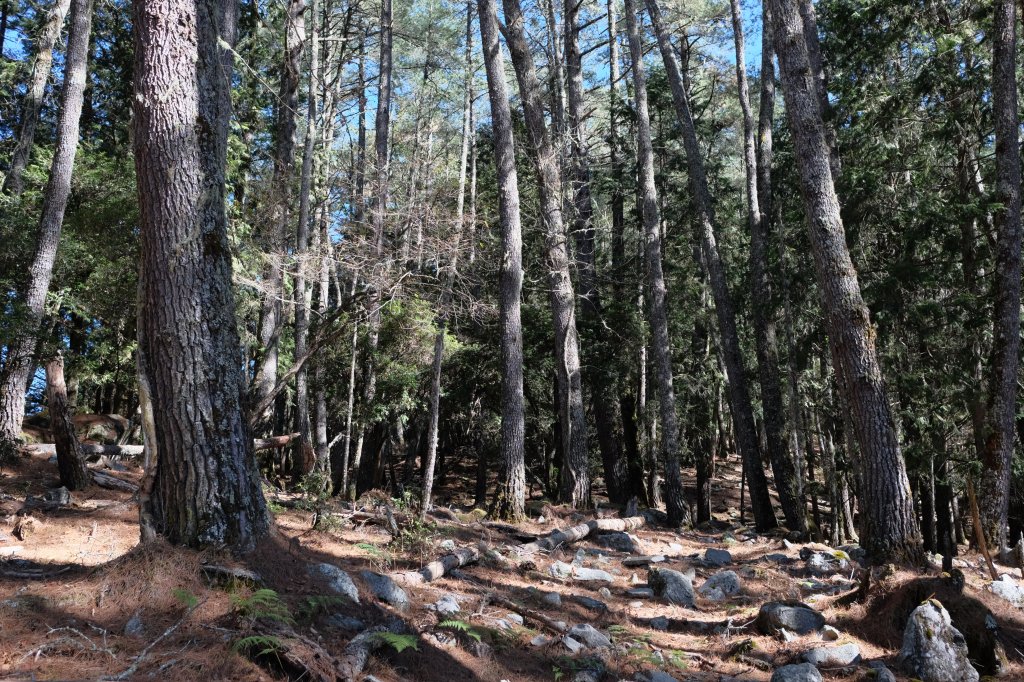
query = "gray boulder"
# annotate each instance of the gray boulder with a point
(590, 603)
(881, 673)
(821, 564)
(835, 656)
(720, 585)
(552, 599)
(791, 615)
(800, 672)
(672, 586)
(1009, 589)
(446, 605)
(621, 542)
(654, 676)
(338, 581)
(385, 589)
(717, 557)
(591, 574)
(933, 650)
(590, 636)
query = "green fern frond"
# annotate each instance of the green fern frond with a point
(399, 642)
(259, 645)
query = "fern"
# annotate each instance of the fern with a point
(185, 597)
(263, 603)
(259, 645)
(460, 626)
(399, 642)
(314, 606)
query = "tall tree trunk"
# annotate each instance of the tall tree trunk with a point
(442, 321)
(19, 364)
(42, 62)
(600, 376)
(206, 487)
(997, 457)
(73, 473)
(889, 528)
(661, 344)
(575, 474)
(276, 240)
(739, 394)
(510, 496)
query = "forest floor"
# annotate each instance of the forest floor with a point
(79, 600)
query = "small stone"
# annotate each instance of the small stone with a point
(619, 541)
(59, 496)
(572, 645)
(721, 585)
(514, 618)
(641, 592)
(837, 656)
(540, 640)
(560, 569)
(134, 627)
(829, 633)
(881, 673)
(447, 604)
(795, 616)
(643, 560)
(635, 604)
(717, 557)
(338, 581)
(591, 574)
(480, 649)
(590, 603)
(672, 586)
(605, 592)
(590, 636)
(552, 598)
(447, 545)
(659, 623)
(385, 589)
(801, 672)
(786, 635)
(778, 558)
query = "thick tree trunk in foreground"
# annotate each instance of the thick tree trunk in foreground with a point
(890, 531)
(42, 62)
(73, 473)
(18, 364)
(510, 497)
(206, 489)
(575, 474)
(739, 394)
(758, 187)
(661, 345)
(997, 457)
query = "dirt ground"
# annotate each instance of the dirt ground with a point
(80, 601)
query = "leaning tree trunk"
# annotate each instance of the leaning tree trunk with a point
(18, 364)
(758, 185)
(600, 375)
(997, 457)
(739, 394)
(890, 530)
(575, 474)
(74, 475)
(661, 344)
(276, 239)
(510, 497)
(42, 62)
(206, 488)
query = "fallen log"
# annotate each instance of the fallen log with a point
(578, 532)
(113, 482)
(126, 451)
(357, 653)
(436, 569)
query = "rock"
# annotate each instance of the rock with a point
(540, 640)
(514, 618)
(338, 581)
(480, 649)
(572, 645)
(605, 592)
(717, 557)
(720, 585)
(786, 635)
(643, 560)
(792, 615)
(591, 574)
(343, 622)
(1009, 589)
(590, 636)
(385, 589)
(552, 598)
(447, 545)
(654, 676)
(933, 650)
(879, 673)
(672, 586)
(59, 496)
(778, 558)
(836, 656)
(820, 564)
(590, 603)
(447, 604)
(641, 592)
(659, 623)
(619, 541)
(560, 569)
(829, 633)
(134, 627)
(801, 672)
(855, 552)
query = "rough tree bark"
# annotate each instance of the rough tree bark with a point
(510, 496)
(19, 364)
(33, 103)
(661, 344)
(890, 531)
(206, 489)
(70, 463)
(997, 457)
(758, 185)
(575, 474)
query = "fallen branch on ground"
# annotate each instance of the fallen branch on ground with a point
(127, 451)
(436, 569)
(113, 482)
(578, 532)
(133, 668)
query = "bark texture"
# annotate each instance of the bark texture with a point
(510, 496)
(997, 457)
(19, 364)
(661, 344)
(890, 530)
(70, 462)
(206, 489)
